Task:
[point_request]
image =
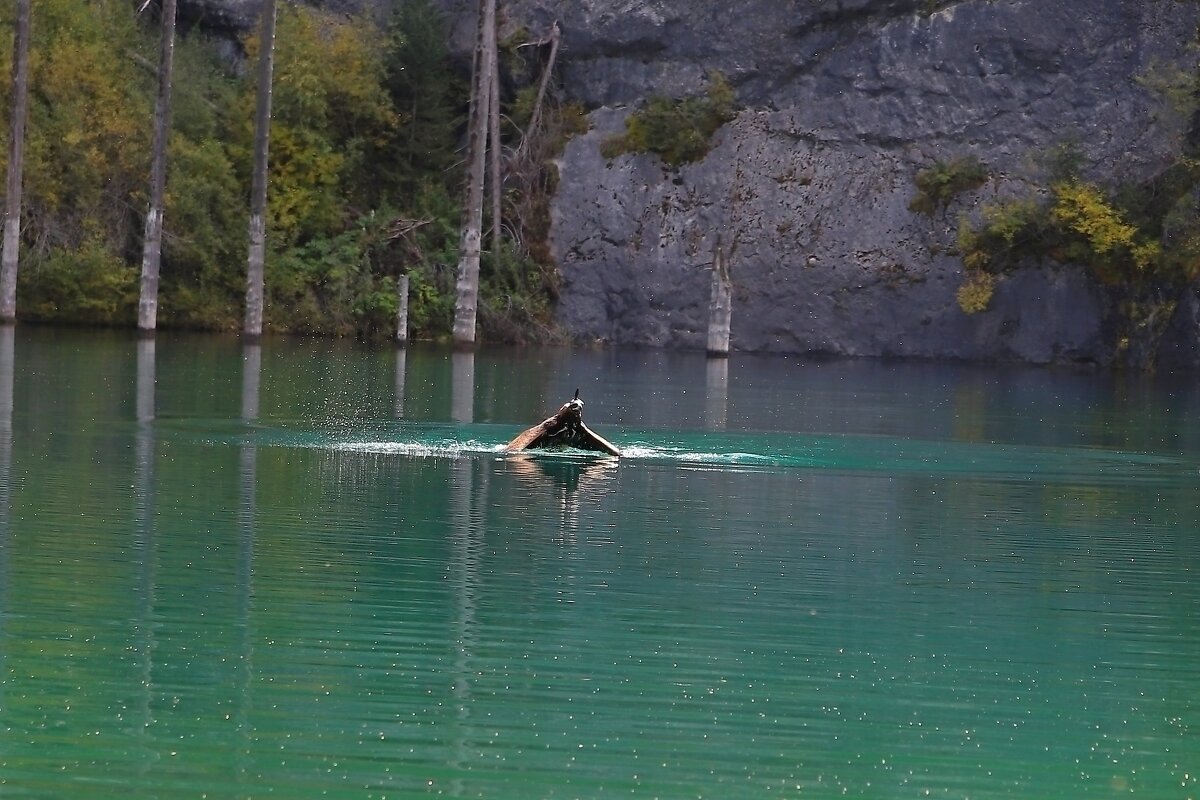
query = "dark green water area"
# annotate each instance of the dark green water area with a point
(306, 570)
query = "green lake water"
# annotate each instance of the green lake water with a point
(305, 570)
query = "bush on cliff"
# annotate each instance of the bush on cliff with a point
(1076, 223)
(1092, 232)
(938, 185)
(677, 131)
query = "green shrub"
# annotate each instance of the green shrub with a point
(86, 285)
(677, 131)
(344, 284)
(515, 300)
(1181, 237)
(937, 186)
(1008, 232)
(205, 235)
(1077, 224)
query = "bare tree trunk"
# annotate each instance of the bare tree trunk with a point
(467, 288)
(16, 162)
(494, 152)
(720, 308)
(535, 119)
(152, 245)
(258, 192)
(402, 310)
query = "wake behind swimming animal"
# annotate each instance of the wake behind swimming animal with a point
(564, 429)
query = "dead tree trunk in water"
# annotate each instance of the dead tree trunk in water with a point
(720, 309)
(467, 287)
(402, 310)
(16, 161)
(152, 244)
(258, 192)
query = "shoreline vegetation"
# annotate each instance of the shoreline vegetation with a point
(365, 175)
(368, 160)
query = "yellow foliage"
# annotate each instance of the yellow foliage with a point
(87, 135)
(304, 171)
(328, 70)
(1084, 209)
(1146, 254)
(327, 88)
(975, 293)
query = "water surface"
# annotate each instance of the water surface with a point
(306, 570)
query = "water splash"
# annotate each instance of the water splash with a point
(747, 451)
(445, 448)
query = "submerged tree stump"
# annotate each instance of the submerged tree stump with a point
(402, 310)
(720, 308)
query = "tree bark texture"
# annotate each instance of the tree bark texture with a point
(467, 288)
(152, 243)
(720, 309)
(402, 310)
(494, 152)
(258, 192)
(16, 161)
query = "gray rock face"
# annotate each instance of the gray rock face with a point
(844, 103)
(1181, 344)
(828, 258)
(224, 16)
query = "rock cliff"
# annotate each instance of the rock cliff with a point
(841, 103)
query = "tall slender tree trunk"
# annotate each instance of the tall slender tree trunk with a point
(402, 310)
(258, 192)
(16, 162)
(720, 308)
(470, 237)
(152, 245)
(494, 153)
